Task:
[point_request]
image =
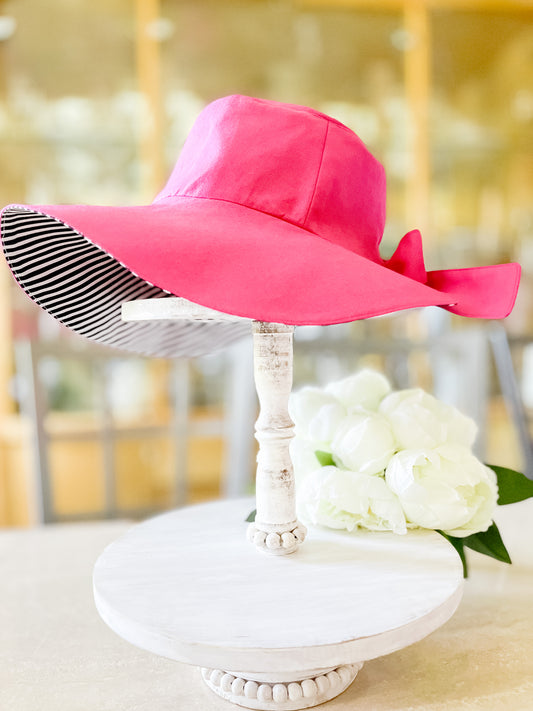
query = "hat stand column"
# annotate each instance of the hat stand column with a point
(275, 529)
(270, 631)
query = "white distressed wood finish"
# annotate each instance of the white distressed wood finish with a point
(172, 308)
(187, 586)
(276, 529)
(318, 688)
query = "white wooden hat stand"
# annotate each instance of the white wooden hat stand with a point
(273, 621)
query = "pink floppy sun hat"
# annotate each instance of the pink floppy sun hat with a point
(273, 212)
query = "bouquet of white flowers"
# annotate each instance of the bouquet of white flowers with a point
(368, 457)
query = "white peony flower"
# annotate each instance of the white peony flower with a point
(446, 488)
(305, 406)
(363, 443)
(365, 389)
(420, 421)
(303, 457)
(342, 499)
(325, 424)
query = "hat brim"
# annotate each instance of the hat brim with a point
(221, 255)
(84, 287)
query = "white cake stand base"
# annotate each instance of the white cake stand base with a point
(188, 586)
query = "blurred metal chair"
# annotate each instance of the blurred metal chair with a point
(502, 347)
(235, 426)
(457, 361)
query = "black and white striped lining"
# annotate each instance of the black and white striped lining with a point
(84, 287)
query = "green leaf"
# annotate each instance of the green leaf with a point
(325, 459)
(251, 516)
(459, 545)
(490, 543)
(513, 486)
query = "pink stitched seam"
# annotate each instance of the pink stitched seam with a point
(238, 204)
(317, 174)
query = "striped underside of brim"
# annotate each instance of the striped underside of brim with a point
(84, 288)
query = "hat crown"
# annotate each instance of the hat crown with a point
(287, 161)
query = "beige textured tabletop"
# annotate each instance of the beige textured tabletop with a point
(56, 654)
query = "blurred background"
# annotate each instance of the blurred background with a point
(96, 99)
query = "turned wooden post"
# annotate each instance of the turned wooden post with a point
(276, 529)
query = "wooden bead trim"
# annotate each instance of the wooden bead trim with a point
(284, 696)
(280, 542)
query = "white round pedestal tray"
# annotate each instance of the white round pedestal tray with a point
(273, 632)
